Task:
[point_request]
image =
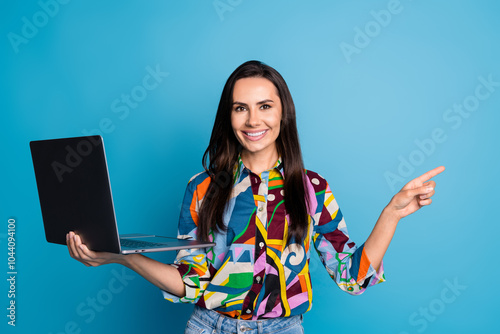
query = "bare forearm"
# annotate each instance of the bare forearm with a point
(414, 195)
(377, 243)
(160, 274)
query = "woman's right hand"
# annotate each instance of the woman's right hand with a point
(164, 276)
(80, 252)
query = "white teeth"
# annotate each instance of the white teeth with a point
(255, 134)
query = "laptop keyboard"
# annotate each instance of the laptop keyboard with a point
(131, 243)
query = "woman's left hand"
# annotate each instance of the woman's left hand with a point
(415, 194)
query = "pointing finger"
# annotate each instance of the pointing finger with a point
(430, 174)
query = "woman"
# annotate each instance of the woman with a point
(263, 210)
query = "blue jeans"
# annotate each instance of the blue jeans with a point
(205, 321)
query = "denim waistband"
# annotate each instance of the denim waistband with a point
(226, 324)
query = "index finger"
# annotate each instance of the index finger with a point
(430, 174)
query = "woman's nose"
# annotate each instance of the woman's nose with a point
(253, 119)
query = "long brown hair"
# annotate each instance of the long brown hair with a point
(222, 152)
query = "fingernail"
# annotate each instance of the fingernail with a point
(429, 189)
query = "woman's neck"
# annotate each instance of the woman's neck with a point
(259, 162)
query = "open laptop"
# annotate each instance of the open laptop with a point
(75, 195)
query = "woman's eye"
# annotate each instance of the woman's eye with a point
(239, 108)
(265, 106)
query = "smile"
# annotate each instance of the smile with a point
(255, 134)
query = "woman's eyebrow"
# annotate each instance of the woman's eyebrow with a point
(265, 101)
(259, 103)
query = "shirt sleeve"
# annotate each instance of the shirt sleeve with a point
(347, 264)
(191, 263)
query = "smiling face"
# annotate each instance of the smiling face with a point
(256, 119)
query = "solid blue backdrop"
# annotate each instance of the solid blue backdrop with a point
(385, 90)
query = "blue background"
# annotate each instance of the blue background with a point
(360, 114)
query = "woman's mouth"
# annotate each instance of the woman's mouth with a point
(256, 135)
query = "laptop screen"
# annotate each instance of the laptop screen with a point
(74, 191)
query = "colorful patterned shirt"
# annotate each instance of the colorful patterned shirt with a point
(251, 274)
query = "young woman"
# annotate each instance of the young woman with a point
(263, 210)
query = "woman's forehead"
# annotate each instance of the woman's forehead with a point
(254, 88)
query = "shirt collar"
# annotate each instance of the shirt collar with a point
(240, 167)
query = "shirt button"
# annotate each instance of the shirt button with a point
(261, 208)
(249, 311)
(261, 244)
(258, 279)
(243, 329)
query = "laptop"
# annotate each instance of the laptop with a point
(75, 195)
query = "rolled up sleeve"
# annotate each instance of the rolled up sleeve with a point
(347, 264)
